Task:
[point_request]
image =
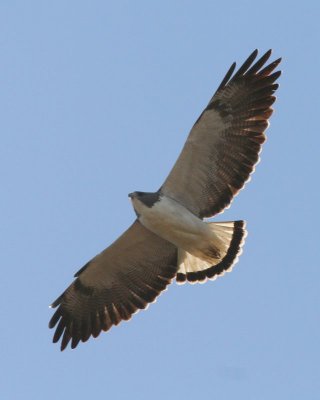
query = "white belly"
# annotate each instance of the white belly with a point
(173, 222)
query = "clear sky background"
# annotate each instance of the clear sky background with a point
(97, 99)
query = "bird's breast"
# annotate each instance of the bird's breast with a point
(173, 222)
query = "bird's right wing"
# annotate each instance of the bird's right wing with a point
(125, 277)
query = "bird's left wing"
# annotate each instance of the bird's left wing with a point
(224, 144)
(122, 279)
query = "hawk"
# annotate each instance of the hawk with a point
(170, 238)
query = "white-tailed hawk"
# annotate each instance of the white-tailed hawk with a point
(170, 239)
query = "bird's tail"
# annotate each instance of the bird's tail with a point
(229, 239)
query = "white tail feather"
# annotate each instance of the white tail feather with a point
(229, 239)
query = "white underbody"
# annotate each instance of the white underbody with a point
(173, 222)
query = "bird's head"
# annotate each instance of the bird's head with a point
(135, 198)
(134, 195)
(141, 200)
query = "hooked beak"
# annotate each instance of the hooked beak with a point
(131, 195)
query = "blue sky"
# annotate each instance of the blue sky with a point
(97, 99)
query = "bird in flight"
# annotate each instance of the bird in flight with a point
(170, 238)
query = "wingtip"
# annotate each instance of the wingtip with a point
(267, 53)
(278, 61)
(232, 68)
(55, 340)
(253, 55)
(56, 302)
(64, 344)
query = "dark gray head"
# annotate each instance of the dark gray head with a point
(147, 198)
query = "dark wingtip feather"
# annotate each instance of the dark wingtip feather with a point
(246, 64)
(227, 76)
(59, 330)
(75, 341)
(55, 318)
(259, 63)
(269, 68)
(56, 302)
(65, 339)
(249, 70)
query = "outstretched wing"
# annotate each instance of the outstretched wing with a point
(112, 286)
(224, 144)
